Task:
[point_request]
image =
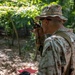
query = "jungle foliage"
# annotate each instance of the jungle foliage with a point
(20, 12)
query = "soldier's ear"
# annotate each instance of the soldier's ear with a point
(46, 21)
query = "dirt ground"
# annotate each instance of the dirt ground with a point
(11, 62)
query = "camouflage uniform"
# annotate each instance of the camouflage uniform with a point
(58, 53)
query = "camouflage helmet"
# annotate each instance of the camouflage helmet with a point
(52, 11)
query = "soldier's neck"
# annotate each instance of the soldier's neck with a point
(54, 29)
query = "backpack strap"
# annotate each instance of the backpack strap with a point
(68, 39)
(65, 36)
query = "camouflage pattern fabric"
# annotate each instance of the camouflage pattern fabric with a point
(56, 55)
(52, 11)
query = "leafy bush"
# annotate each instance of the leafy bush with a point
(20, 12)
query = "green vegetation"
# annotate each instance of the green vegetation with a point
(22, 10)
(20, 13)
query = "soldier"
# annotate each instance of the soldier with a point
(58, 48)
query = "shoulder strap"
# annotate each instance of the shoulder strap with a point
(68, 39)
(65, 36)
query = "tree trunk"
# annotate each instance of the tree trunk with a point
(16, 35)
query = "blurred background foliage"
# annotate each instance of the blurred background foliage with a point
(20, 12)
